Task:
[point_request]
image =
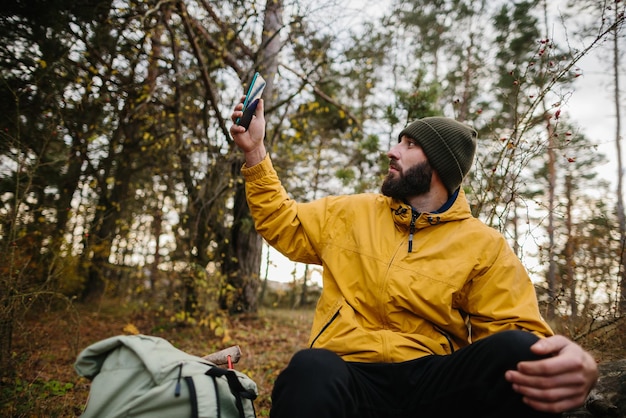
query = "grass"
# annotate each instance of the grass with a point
(45, 348)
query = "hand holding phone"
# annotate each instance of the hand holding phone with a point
(252, 99)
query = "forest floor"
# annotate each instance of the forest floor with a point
(46, 345)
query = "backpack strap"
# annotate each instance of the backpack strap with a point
(236, 388)
(193, 397)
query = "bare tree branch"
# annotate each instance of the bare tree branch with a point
(324, 96)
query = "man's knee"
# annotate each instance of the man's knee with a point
(315, 361)
(515, 343)
(313, 370)
(315, 383)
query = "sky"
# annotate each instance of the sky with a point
(591, 105)
(592, 108)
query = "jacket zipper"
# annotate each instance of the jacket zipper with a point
(445, 334)
(180, 372)
(325, 327)
(414, 215)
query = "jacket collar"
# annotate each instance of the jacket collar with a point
(455, 209)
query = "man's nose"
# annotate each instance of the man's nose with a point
(393, 152)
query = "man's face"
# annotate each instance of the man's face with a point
(410, 174)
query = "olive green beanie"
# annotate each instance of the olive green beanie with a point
(449, 146)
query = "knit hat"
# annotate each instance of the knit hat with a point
(449, 146)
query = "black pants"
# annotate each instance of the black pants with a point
(468, 383)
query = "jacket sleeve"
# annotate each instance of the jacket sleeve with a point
(502, 297)
(276, 216)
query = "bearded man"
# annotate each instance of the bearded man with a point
(425, 310)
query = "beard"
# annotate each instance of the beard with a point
(415, 181)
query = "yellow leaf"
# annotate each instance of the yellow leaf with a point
(131, 329)
(219, 332)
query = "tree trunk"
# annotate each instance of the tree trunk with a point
(243, 263)
(157, 228)
(265, 278)
(99, 237)
(569, 248)
(551, 256)
(7, 321)
(620, 200)
(304, 290)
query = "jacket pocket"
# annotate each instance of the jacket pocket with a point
(450, 346)
(330, 318)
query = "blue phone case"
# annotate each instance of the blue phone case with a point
(252, 100)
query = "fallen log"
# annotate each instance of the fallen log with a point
(222, 357)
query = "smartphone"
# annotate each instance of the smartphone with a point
(252, 99)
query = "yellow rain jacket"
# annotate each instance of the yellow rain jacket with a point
(380, 302)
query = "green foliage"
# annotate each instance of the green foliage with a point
(28, 398)
(421, 99)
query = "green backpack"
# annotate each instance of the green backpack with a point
(143, 376)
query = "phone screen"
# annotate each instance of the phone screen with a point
(252, 98)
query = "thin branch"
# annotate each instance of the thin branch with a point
(324, 96)
(228, 58)
(210, 91)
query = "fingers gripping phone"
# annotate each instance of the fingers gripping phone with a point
(252, 99)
